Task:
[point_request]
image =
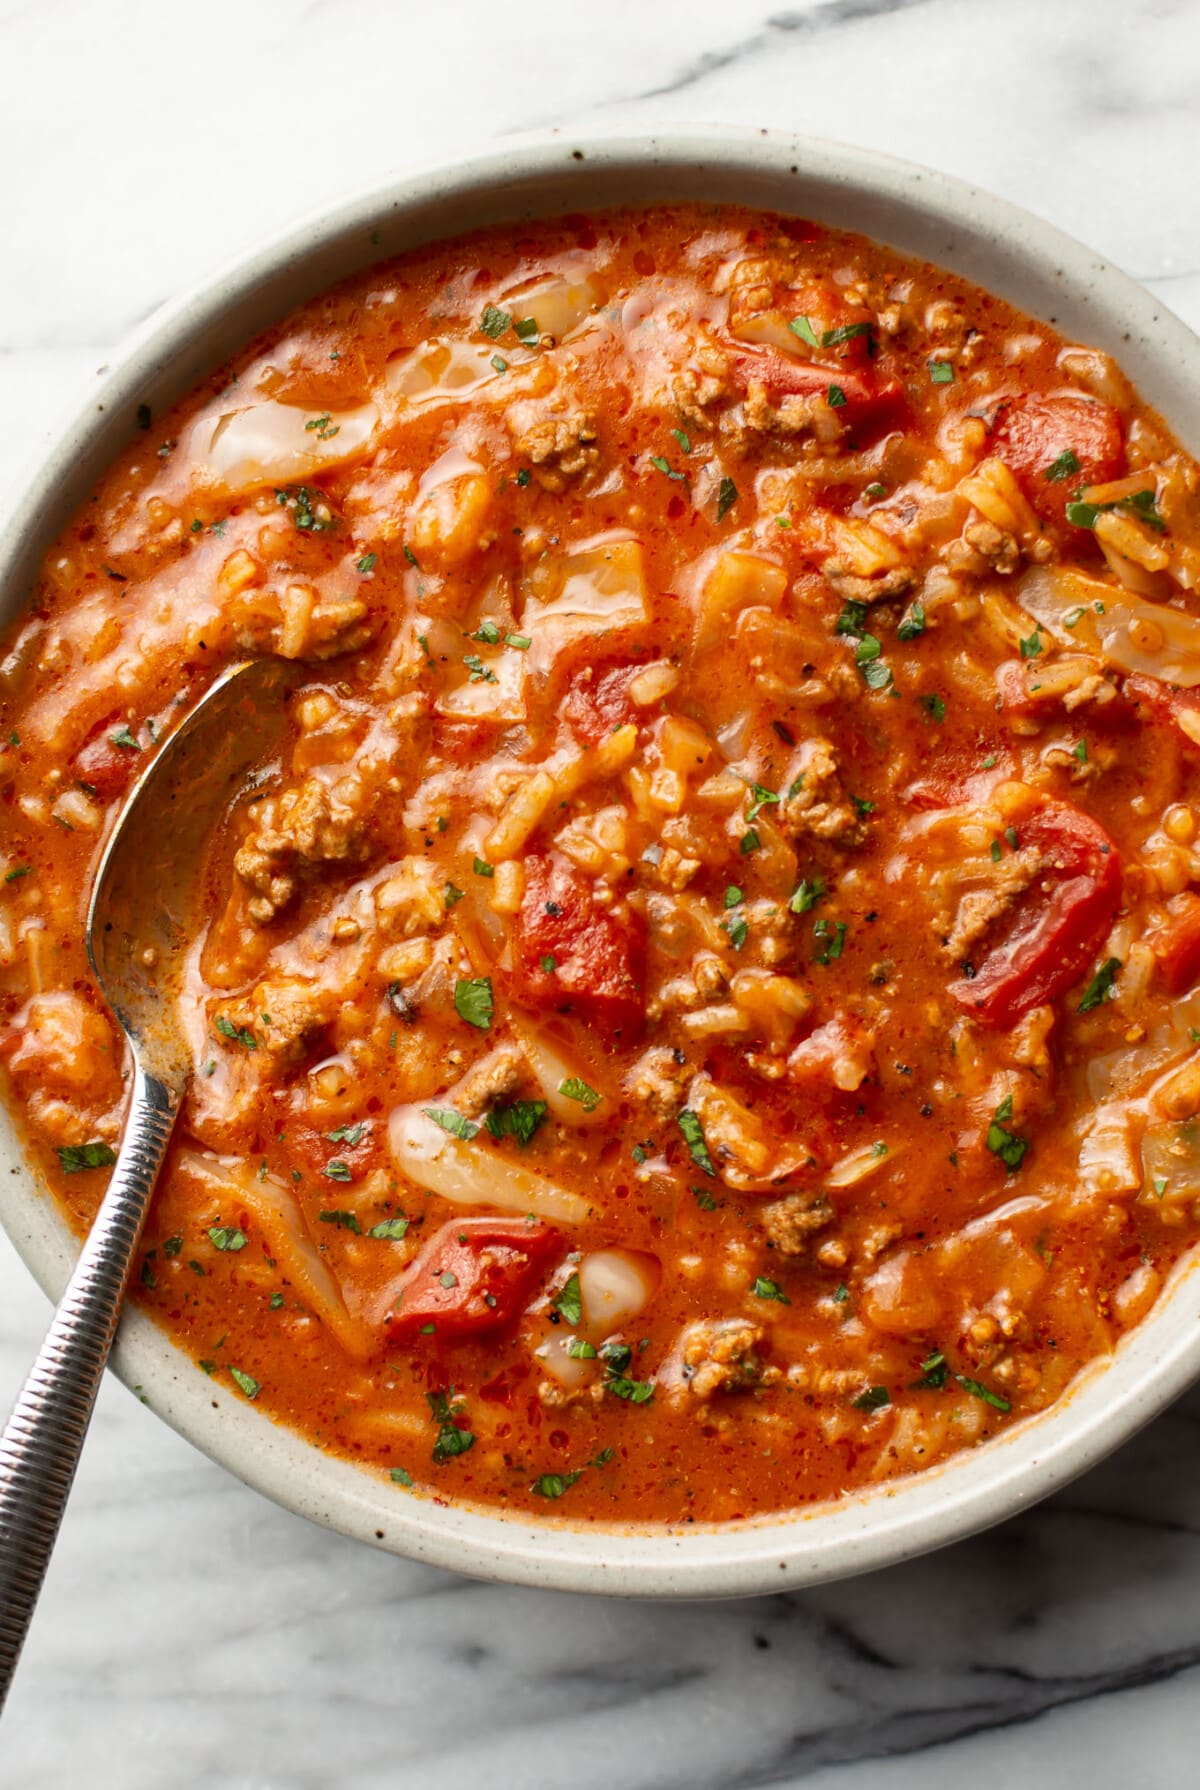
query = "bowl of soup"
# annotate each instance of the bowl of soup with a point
(694, 1040)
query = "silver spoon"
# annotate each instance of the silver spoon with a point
(146, 908)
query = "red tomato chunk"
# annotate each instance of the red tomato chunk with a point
(1058, 928)
(573, 955)
(1033, 433)
(472, 1276)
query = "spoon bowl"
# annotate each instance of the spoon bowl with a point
(148, 899)
(147, 903)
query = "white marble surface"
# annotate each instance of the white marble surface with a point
(193, 1635)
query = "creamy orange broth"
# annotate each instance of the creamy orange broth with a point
(703, 1017)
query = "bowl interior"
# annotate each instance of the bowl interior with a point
(921, 213)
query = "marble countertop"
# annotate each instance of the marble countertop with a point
(191, 1634)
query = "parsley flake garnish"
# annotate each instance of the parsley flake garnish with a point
(73, 1158)
(693, 1136)
(1099, 989)
(1007, 1145)
(575, 1089)
(553, 1485)
(807, 895)
(520, 1119)
(1061, 468)
(569, 1302)
(342, 1220)
(494, 322)
(349, 1134)
(450, 1121)
(227, 1237)
(389, 1230)
(451, 1440)
(913, 623)
(473, 1001)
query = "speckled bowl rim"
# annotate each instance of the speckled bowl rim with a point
(1007, 250)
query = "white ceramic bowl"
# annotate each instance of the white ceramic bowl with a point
(917, 211)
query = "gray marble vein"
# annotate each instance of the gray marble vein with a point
(193, 1635)
(825, 15)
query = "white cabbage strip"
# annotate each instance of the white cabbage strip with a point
(599, 585)
(276, 444)
(1171, 1162)
(1123, 630)
(468, 1173)
(491, 690)
(1121, 1070)
(558, 305)
(441, 371)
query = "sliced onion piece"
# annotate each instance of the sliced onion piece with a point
(552, 1065)
(272, 1207)
(615, 1285)
(276, 444)
(470, 1175)
(1123, 630)
(858, 1165)
(556, 1361)
(901, 1297)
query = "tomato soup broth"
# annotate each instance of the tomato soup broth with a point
(704, 1015)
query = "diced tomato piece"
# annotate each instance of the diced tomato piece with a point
(959, 779)
(106, 768)
(598, 701)
(1177, 944)
(597, 961)
(1031, 432)
(473, 1275)
(829, 315)
(1167, 703)
(871, 405)
(1058, 929)
(356, 1148)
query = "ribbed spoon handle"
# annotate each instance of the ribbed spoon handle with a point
(42, 1440)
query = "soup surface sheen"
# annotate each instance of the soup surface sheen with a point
(704, 1014)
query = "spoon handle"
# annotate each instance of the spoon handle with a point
(42, 1440)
